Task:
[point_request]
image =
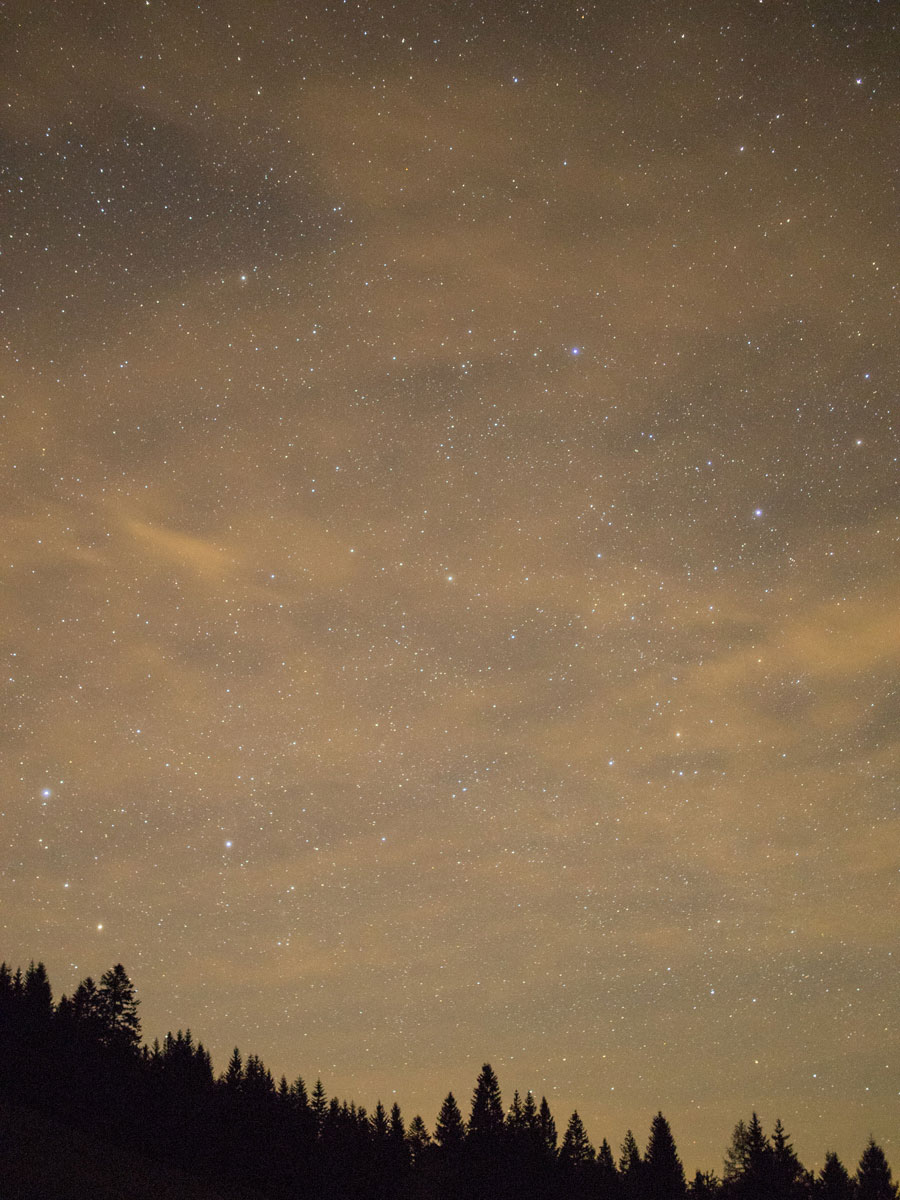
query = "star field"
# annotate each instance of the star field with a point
(449, 546)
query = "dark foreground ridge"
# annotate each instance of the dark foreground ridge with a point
(87, 1110)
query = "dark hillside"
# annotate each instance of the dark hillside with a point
(41, 1159)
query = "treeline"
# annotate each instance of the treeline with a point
(82, 1062)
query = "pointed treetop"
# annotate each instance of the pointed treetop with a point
(486, 1118)
(449, 1131)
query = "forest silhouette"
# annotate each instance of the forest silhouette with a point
(81, 1064)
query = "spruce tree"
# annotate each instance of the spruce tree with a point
(787, 1176)
(576, 1153)
(486, 1118)
(704, 1186)
(530, 1112)
(874, 1180)
(449, 1160)
(834, 1182)
(449, 1131)
(608, 1181)
(36, 993)
(736, 1156)
(397, 1130)
(319, 1106)
(418, 1140)
(118, 1007)
(631, 1166)
(515, 1118)
(663, 1174)
(547, 1128)
(234, 1074)
(379, 1123)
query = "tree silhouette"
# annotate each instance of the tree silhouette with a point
(576, 1159)
(786, 1174)
(37, 996)
(234, 1073)
(703, 1186)
(609, 1185)
(576, 1151)
(663, 1174)
(874, 1180)
(486, 1118)
(547, 1128)
(631, 1166)
(834, 1182)
(449, 1130)
(748, 1162)
(418, 1140)
(450, 1137)
(81, 1064)
(118, 1009)
(319, 1106)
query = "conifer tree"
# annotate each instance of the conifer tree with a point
(530, 1112)
(301, 1097)
(874, 1180)
(449, 1130)
(118, 1007)
(608, 1182)
(786, 1171)
(36, 993)
(319, 1106)
(515, 1118)
(397, 1130)
(418, 1140)
(486, 1118)
(834, 1182)
(234, 1074)
(630, 1166)
(576, 1153)
(547, 1128)
(748, 1161)
(663, 1174)
(704, 1186)
(379, 1123)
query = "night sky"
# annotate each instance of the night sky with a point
(450, 591)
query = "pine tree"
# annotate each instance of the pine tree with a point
(874, 1180)
(704, 1186)
(486, 1118)
(609, 1184)
(663, 1174)
(530, 1112)
(233, 1078)
(319, 1106)
(36, 993)
(397, 1130)
(418, 1140)
(379, 1123)
(576, 1153)
(631, 1166)
(834, 1182)
(118, 1007)
(748, 1161)
(399, 1158)
(786, 1171)
(547, 1127)
(515, 1118)
(301, 1097)
(449, 1131)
